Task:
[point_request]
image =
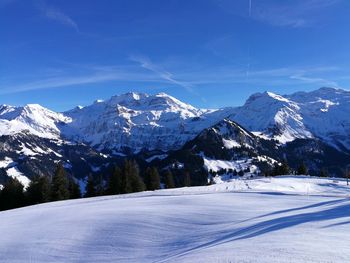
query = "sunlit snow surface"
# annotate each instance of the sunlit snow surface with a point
(266, 220)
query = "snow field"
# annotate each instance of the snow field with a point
(265, 221)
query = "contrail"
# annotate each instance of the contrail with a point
(250, 8)
(248, 64)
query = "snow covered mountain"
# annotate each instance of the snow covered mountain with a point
(135, 121)
(322, 113)
(272, 116)
(228, 140)
(31, 118)
(325, 114)
(228, 146)
(304, 125)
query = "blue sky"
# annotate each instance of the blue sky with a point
(210, 53)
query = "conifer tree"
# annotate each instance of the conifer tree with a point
(11, 195)
(59, 188)
(152, 179)
(324, 173)
(90, 190)
(115, 181)
(302, 169)
(131, 180)
(45, 187)
(126, 174)
(136, 182)
(38, 190)
(169, 179)
(33, 193)
(100, 185)
(74, 189)
(187, 179)
(282, 169)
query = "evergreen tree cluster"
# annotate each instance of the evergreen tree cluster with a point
(302, 169)
(40, 190)
(230, 172)
(282, 169)
(123, 179)
(61, 187)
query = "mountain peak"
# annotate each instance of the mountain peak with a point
(276, 96)
(266, 97)
(127, 98)
(162, 94)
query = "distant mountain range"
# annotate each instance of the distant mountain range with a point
(313, 127)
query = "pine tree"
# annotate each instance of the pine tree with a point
(74, 189)
(115, 181)
(136, 182)
(324, 173)
(187, 179)
(90, 190)
(45, 187)
(282, 169)
(11, 195)
(59, 189)
(169, 179)
(38, 190)
(100, 185)
(131, 180)
(302, 169)
(152, 179)
(126, 176)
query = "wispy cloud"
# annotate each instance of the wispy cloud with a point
(268, 78)
(57, 15)
(315, 80)
(296, 13)
(192, 78)
(146, 63)
(87, 75)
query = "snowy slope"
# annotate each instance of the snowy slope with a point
(202, 224)
(11, 169)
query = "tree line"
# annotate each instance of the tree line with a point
(284, 169)
(60, 186)
(119, 180)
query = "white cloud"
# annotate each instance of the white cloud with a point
(147, 64)
(192, 78)
(89, 75)
(281, 77)
(57, 15)
(316, 80)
